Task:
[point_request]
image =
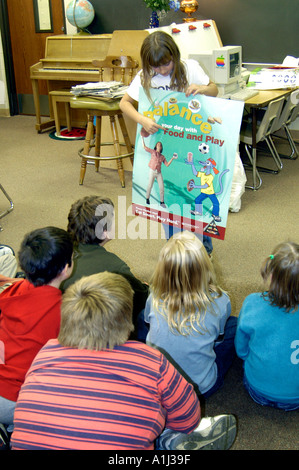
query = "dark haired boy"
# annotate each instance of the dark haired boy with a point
(30, 309)
(91, 226)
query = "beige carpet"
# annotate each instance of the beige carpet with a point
(41, 175)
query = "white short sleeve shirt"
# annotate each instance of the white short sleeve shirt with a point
(195, 74)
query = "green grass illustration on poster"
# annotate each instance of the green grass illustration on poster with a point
(182, 174)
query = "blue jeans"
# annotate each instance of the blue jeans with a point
(225, 354)
(262, 400)
(142, 327)
(199, 200)
(7, 409)
(207, 241)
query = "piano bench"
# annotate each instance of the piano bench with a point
(97, 109)
(61, 96)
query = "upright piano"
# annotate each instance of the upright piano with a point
(68, 62)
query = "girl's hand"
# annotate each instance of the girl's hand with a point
(194, 89)
(150, 126)
(208, 90)
(127, 105)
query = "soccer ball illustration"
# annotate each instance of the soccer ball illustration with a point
(204, 148)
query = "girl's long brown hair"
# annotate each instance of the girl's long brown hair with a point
(158, 49)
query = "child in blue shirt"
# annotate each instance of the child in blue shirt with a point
(267, 337)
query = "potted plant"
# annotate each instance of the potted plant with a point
(158, 6)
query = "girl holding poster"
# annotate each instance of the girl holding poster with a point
(163, 68)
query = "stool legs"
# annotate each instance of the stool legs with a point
(84, 153)
(88, 137)
(98, 141)
(120, 168)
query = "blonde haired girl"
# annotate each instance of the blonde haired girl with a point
(189, 314)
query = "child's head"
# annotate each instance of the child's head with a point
(158, 49)
(90, 220)
(44, 253)
(281, 271)
(184, 280)
(96, 312)
(159, 147)
(159, 53)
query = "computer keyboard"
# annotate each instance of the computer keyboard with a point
(243, 94)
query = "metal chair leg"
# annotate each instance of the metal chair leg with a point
(7, 211)
(256, 175)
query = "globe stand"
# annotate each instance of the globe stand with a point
(80, 14)
(82, 32)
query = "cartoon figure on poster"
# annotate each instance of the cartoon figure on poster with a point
(206, 178)
(201, 137)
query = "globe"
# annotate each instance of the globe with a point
(80, 13)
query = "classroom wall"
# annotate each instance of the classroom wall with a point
(267, 30)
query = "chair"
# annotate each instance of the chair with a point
(288, 115)
(264, 131)
(7, 211)
(119, 68)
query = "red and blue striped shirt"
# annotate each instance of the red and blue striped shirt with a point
(111, 399)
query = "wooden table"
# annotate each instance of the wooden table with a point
(261, 100)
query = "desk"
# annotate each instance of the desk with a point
(262, 99)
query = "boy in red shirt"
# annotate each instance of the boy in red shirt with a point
(30, 310)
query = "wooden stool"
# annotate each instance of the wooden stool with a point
(64, 96)
(112, 68)
(96, 110)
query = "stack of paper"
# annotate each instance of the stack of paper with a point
(103, 90)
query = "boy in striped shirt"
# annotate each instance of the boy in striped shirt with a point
(93, 389)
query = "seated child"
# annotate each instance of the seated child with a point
(91, 226)
(267, 337)
(189, 314)
(30, 309)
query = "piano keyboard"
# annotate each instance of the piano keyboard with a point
(58, 69)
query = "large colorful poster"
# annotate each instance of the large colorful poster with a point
(188, 183)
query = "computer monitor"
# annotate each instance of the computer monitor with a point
(223, 65)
